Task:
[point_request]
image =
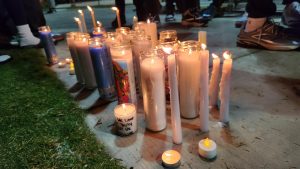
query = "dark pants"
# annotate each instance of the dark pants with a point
(120, 4)
(147, 8)
(16, 11)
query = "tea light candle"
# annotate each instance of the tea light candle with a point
(171, 159)
(207, 148)
(214, 81)
(82, 19)
(68, 60)
(225, 88)
(126, 119)
(92, 15)
(49, 47)
(61, 64)
(204, 111)
(71, 69)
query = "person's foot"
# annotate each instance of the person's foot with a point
(5, 58)
(269, 36)
(191, 19)
(170, 18)
(211, 11)
(291, 15)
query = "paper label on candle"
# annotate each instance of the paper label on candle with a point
(125, 125)
(122, 80)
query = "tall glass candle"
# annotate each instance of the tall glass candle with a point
(167, 36)
(126, 119)
(189, 78)
(82, 49)
(49, 47)
(112, 37)
(103, 68)
(214, 81)
(225, 87)
(70, 37)
(150, 29)
(153, 80)
(204, 110)
(139, 43)
(124, 72)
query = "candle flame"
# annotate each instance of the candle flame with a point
(135, 18)
(203, 46)
(214, 56)
(123, 106)
(167, 50)
(90, 8)
(123, 52)
(148, 20)
(97, 43)
(227, 55)
(114, 8)
(76, 19)
(207, 142)
(80, 11)
(152, 61)
(99, 23)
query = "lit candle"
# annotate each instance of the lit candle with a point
(77, 20)
(153, 87)
(71, 70)
(98, 32)
(189, 79)
(124, 73)
(68, 60)
(103, 68)
(214, 81)
(92, 15)
(202, 37)
(204, 110)
(207, 148)
(174, 98)
(134, 21)
(48, 44)
(126, 119)
(61, 64)
(225, 87)
(82, 49)
(118, 15)
(71, 44)
(82, 19)
(171, 159)
(151, 30)
(122, 33)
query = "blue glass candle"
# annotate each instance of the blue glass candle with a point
(103, 68)
(48, 44)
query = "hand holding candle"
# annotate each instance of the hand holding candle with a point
(225, 87)
(214, 81)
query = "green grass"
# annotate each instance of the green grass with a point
(41, 126)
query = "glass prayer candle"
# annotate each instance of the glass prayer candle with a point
(153, 80)
(103, 69)
(82, 49)
(111, 38)
(168, 36)
(123, 32)
(70, 37)
(189, 78)
(48, 44)
(126, 119)
(98, 32)
(124, 72)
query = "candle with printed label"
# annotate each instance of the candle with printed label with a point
(126, 119)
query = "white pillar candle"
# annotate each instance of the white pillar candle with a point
(202, 37)
(82, 19)
(204, 110)
(189, 79)
(174, 99)
(150, 30)
(126, 119)
(125, 79)
(82, 49)
(77, 20)
(207, 148)
(92, 15)
(153, 85)
(171, 159)
(139, 43)
(225, 88)
(214, 81)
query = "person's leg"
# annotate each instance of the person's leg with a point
(170, 9)
(17, 12)
(5, 58)
(190, 16)
(35, 15)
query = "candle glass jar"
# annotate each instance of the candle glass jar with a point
(153, 89)
(126, 119)
(140, 26)
(121, 54)
(48, 44)
(103, 68)
(188, 60)
(82, 49)
(123, 32)
(168, 36)
(98, 32)
(70, 37)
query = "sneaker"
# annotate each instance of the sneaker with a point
(211, 11)
(190, 19)
(269, 36)
(291, 15)
(170, 18)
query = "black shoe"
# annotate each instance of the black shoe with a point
(190, 19)
(269, 36)
(211, 12)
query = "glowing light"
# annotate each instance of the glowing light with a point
(99, 23)
(226, 55)
(90, 8)
(203, 46)
(148, 21)
(114, 8)
(207, 143)
(123, 106)
(167, 50)
(80, 11)
(214, 56)
(76, 19)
